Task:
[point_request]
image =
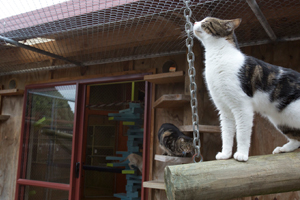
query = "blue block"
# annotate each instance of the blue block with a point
(132, 194)
(133, 177)
(133, 149)
(132, 182)
(133, 143)
(115, 158)
(132, 188)
(124, 197)
(135, 136)
(123, 153)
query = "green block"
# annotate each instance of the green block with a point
(109, 164)
(111, 118)
(128, 171)
(129, 123)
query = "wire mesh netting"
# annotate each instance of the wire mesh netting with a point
(94, 32)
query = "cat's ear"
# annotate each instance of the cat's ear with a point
(232, 24)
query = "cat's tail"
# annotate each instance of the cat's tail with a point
(124, 159)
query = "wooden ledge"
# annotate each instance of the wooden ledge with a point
(154, 184)
(4, 117)
(172, 100)
(164, 78)
(173, 159)
(11, 92)
(202, 128)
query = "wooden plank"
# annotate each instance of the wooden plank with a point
(91, 76)
(164, 78)
(4, 117)
(171, 101)
(173, 159)
(1, 99)
(154, 185)
(152, 132)
(11, 92)
(202, 128)
(227, 179)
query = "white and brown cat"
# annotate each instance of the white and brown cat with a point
(134, 160)
(240, 85)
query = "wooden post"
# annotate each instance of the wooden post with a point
(228, 179)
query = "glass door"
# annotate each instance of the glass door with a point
(66, 136)
(47, 137)
(106, 137)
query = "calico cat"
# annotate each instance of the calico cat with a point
(240, 85)
(135, 160)
(173, 142)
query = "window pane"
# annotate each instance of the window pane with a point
(35, 193)
(49, 120)
(101, 140)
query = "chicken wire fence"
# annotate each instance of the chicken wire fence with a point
(91, 32)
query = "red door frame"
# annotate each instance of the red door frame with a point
(74, 186)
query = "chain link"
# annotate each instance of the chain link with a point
(192, 74)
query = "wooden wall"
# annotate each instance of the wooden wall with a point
(264, 139)
(12, 105)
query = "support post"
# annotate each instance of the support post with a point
(228, 179)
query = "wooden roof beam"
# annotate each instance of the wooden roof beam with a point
(261, 18)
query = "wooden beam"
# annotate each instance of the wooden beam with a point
(154, 185)
(164, 78)
(202, 128)
(88, 43)
(11, 92)
(228, 179)
(261, 18)
(4, 117)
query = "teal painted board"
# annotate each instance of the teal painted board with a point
(115, 158)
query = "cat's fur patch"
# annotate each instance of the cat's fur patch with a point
(173, 142)
(240, 85)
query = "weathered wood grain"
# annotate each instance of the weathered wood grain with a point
(173, 159)
(11, 92)
(202, 128)
(229, 179)
(4, 117)
(172, 101)
(164, 78)
(154, 185)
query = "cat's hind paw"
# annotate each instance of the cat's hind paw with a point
(223, 156)
(240, 157)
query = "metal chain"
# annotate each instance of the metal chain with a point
(193, 85)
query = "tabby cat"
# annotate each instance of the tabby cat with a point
(173, 142)
(134, 160)
(240, 85)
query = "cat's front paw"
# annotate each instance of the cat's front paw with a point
(223, 156)
(278, 150)
(240, 157)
